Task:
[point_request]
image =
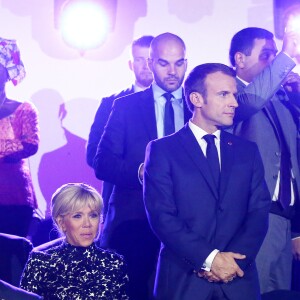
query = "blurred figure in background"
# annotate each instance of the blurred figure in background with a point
(18, 140)
(266, 91)
(143, 78)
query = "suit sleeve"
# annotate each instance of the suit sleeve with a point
(162, 212)
(111, 162)
(251, 234)
(256, 94)
(97, 129)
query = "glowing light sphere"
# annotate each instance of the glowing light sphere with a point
(84, 24)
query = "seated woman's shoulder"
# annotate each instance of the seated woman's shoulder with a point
(111, 254)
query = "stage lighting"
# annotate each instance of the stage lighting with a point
(85, 24)
(286, 16)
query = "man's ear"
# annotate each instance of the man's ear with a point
(196, 99)
(150, 64)
(239, 59)
(130, 64)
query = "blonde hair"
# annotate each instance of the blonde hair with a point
(71, 197)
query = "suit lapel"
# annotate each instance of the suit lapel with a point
(146, 107)
(227, 155)
(193, 150)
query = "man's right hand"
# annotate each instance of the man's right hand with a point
(225, 267)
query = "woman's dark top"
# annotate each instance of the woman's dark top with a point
(81, 273)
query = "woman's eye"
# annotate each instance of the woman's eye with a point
(94, 215)
(77, 216)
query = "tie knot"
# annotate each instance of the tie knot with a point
(209, 138)
(168, 96)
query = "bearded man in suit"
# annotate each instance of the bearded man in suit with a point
(135, 121)
(143, 79)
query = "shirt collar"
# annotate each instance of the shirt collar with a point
(137, 88)
(158, 92)
(242, 80)
(200, 133)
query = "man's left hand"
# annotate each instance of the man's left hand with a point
(296, 248)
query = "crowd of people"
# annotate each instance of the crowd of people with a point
(201, 173)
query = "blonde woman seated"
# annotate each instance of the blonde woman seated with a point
(76, 269)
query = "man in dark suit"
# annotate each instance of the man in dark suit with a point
(143, 78)
(135, 121)
(211, 223)
(267, 93)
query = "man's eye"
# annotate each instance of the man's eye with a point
(223, 94)
(139, 60)
(179, 63)
(162, 63)
(265, 56)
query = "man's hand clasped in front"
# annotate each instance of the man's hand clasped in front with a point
(224, 268)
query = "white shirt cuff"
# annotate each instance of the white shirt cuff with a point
(209, 260)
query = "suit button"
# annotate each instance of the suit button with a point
(277, 154)
(275, 176)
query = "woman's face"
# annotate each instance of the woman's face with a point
(80, 227)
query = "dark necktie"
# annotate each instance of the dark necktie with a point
(212, 156)
(284, 195)
(169, 125)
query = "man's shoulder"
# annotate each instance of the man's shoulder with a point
(135, 97)
(172, 139)
(126, 92)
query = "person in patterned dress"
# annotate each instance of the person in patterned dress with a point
(77, 268)
(19, 139)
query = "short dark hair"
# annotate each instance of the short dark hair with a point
(243, 41)
(195, 81)
(143, 41)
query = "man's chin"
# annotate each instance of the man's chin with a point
(145, 82)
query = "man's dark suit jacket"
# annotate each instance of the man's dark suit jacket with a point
(254, 122)
(131, 126)
(14, 252)
(96, 132)
(192, 217)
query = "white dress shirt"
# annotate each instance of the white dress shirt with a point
(199, 133)
(159, 105)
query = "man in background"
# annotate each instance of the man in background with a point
(143, 79)
(265, 87)
(135, 121)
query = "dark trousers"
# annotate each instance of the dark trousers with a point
(217, 293)
(136, 242)
(15, 219)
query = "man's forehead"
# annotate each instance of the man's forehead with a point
(220, 81)
(265, 45)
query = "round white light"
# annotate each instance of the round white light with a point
(84, 24)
